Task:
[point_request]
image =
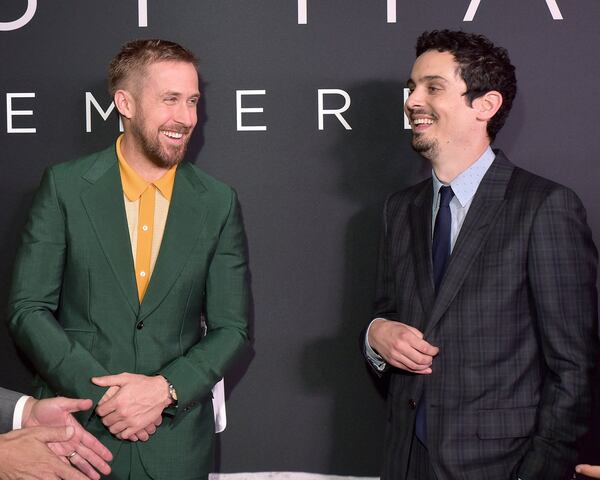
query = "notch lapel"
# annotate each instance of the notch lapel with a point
(104, 205)
(420, 225)
(487, 205)
(185, 221)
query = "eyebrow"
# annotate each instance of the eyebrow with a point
(427, 78)
(172, 93)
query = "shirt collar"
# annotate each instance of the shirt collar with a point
(134, 185)
(465, 185)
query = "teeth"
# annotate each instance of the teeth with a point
(421, 121)
(171, 134)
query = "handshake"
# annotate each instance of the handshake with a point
(52, 442)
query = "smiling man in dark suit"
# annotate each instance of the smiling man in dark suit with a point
(486, 304)
(124, 252)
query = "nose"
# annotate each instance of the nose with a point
(413, 101)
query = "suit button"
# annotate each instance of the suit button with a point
(412, 404)
(140, 325)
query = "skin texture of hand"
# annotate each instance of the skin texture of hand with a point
(25, 455)
(145, 433)
(592, 471)
(91, 455)
(402, 346)
(135, 406)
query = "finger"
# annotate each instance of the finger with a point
(118, 427)
(416, 332)
(67, 472)
(592, 471)
(108, 395)
(84, 467)
(402, 366)
(131, 432)
(92, 459)
(142, 435)
(110, 380)
(409, 362)
(73, 404)
(108, 407)
(424, 347)
(91, 442)
(111, 418)
(158, 421)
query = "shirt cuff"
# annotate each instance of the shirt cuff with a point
(18, 412)
(375, 359)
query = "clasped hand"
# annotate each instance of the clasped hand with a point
(132, 406)
(402, 346)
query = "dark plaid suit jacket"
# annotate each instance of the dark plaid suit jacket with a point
(516, 322)
(8, 400)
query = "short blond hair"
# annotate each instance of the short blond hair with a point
(135, 56)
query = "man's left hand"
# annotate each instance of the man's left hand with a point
(136, 404)
(83, 450)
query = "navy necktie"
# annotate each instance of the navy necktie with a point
(441, 236)
(440, 253)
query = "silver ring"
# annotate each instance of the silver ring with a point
(71, 455)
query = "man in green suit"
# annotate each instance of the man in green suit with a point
(124, 252)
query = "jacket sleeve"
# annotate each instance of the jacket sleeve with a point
(34, 299)
(227, 292)
(562, 281)
(8, 401)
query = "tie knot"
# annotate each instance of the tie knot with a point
(446, 195)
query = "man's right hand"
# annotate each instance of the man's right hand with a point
(402, 346)
(25, 455)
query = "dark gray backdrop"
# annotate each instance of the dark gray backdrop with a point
(301, 398)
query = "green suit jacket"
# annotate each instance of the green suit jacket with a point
(74, 309)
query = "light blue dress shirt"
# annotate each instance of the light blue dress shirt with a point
(464, 187)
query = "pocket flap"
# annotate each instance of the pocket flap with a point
(506, 422)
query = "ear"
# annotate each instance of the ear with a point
(487, 105)
(125, 103)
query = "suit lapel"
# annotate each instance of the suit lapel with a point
(485, 208)
(420, 224)
(185, 221)
(103, 203)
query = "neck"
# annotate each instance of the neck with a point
(451, 164)
(136, 159)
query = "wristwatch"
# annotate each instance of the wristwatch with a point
(172, 393)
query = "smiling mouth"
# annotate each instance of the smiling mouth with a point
(172, 134)
(422, 121)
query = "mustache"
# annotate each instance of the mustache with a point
(421, 111)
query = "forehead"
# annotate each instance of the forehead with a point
(174, 76)
(435, 64)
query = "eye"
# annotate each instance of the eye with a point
(433, 89)
(193, 101)
(170, 100)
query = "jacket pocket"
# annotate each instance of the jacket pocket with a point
(84, 337)
(506, 422)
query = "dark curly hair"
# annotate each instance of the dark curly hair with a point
(136, 55)
(482, 65)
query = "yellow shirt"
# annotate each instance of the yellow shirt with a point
(146, 207)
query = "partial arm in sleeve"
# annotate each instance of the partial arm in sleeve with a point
(227, 292)
(34, 298)
(562, 271)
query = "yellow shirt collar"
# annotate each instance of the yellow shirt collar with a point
(134, 185)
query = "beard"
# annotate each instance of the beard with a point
(427, 148)
(152, 148)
